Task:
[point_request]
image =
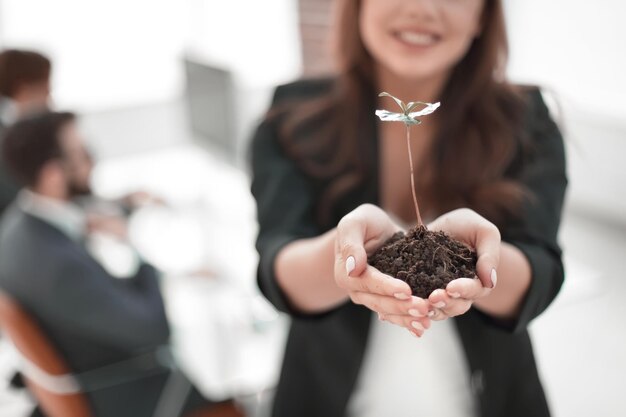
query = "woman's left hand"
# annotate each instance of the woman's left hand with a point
(481, 235)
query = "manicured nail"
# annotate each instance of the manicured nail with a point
(401, 296)
(413, 312)
(454, 295)
(350, 264)
(431, 313)
(494, 278)
(417, 325)
(440, 304)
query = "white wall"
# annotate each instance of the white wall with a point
(105, 53)
(258, 40)
(116, 53)
(577, 48)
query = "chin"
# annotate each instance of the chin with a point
(416, 73)
(77, 192)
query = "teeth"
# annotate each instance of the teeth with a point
(419, 39)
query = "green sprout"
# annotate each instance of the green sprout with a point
(409, 118)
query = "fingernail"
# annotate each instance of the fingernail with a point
(431, 313)
(401, 296)
(414, 334)
(494, 278)
(440, 304)
(381, 317)
(417, 325)
(454, 295)
(350, 264)
(413, 312)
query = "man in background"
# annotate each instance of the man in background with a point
(24, 90)
(24, 84)
(95, 319)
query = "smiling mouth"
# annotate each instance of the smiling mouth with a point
(419, 39)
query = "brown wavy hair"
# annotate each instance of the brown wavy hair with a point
(476, 142)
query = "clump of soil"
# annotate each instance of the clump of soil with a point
(425, 260)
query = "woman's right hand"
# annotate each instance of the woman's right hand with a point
(359, 234)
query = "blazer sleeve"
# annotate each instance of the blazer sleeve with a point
(127, 314)
(285, 200)
(535, 233)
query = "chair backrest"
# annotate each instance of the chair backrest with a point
(44, 359)
(225, 409)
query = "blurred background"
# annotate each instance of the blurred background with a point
(169, 92)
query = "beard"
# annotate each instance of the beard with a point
(76, 189)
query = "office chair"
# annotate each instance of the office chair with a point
(45, 372)
(49, 378)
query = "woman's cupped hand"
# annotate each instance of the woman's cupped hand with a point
(361, 232)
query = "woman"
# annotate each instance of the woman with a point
(321, 166)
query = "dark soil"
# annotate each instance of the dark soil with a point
(425, 260)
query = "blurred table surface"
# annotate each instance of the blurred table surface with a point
(226, 336)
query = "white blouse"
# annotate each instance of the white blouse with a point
(405, 376)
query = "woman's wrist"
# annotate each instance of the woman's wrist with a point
(514, 279)
(304, 271)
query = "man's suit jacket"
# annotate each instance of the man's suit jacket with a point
(92, 318)
(8, 186)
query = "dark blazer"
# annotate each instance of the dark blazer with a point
(93, 318)
(8, 186)
(324, 351)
